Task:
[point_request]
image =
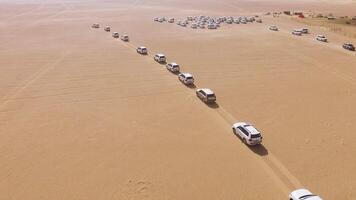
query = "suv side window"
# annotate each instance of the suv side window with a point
(243, 130)
(202, 92)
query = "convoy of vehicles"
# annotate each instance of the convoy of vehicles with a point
(247, 132)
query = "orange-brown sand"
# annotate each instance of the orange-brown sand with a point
(83, 116)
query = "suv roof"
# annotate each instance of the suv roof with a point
(207, 91)
(252, 130)
(160, 55)
(186, 74)
(173, 63)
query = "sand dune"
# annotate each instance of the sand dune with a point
(83, 116)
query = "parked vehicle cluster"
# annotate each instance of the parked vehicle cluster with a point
(209, 21)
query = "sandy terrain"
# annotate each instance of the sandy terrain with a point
(83, 116)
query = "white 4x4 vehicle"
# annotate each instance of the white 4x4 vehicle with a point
(303, 194)
(115, 34)
(160, 58)
(249, 134)
(206, 95)
(304, 30)
(297, 32)
(107, 28)
(173, 67)
(142, 50)
(95, 25)
(186, 78)
(125, 38)
(273, 28)
(321, 38)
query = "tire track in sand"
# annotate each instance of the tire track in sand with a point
(28, 82)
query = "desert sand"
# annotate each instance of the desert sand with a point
(83, 116)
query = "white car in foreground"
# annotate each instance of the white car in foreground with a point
(303, 194)
(142, 50)
(321, 38)
(186, 78)
(173, 67)
(249, 134)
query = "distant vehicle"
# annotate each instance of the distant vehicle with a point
(297, 32)
(201, 26)
(243, 21)
(142, 50)
(115, 35)
(125, 38)
(229, 21)
(161, 19)
(321, 38)
(156, 19)
(183, 24)
(304, 30)
(303, 194)
(95, 25)
(249, 134)
(206, 95)
(194, 25)
(173, 67)
(160, 58)
(349, 46)
(273, 28)
(186, 78)
(107, 28)
(212, 26)
(171, 20)
(236, 21)
(259, 20)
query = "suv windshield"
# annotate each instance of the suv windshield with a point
(256, 136)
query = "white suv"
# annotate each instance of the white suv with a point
(273, 28)
(206, 95)
(142, 50)
(107, 28)
(160, 58)
(95, 25)
(303, 194)
(173, 67)
(297, 32)
(115, 34)
(249, 134)
(321, 38)
(186, 78)
(125, 38)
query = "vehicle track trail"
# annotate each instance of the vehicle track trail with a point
(282, 177)
(29, 81)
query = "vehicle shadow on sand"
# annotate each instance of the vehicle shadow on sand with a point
(258, 149)
(213, 105)
(191, 86)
